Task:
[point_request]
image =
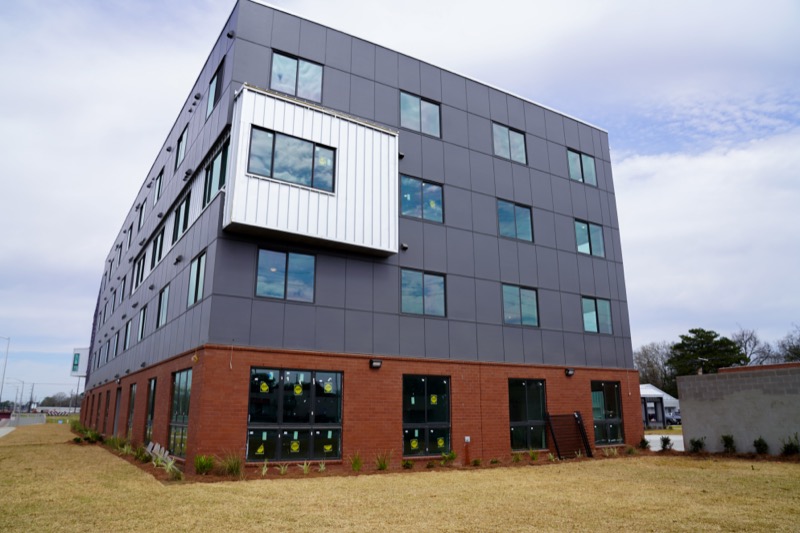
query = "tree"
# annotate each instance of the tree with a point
(704, 350)
(789, 346)
(756, 350)
(651, 362)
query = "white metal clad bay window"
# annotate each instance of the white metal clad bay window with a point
(278, 156)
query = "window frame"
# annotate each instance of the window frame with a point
(597, 315)
(427, 427)
(215, 88)
(210, 189)
(180, 223)
(297, 60)
(281, 426)
(139, 270)
(163, 307)
(180, 148)
(157, 249)
(527, 423)
(179, 412)
(287, 256)
(425, 274)
(142, 324)
(605, 424)
(126, 343)
(131, 408)
(141, 214)
(496, 126)
(151, 409)
(590, 239)
(422, 197)
(581, 158)
(314, 147)
(157, 186)
(516, 208)
(519, 289)
(197, 275)
(420, 103)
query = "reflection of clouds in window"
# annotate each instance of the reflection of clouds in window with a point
(300, 282)
(598, 248)
(524, 228)
(284, 73)
(260, 152)
(588, 169)
(412, 292)
(309, 82)
(511, 306)
(271, 274)
(604, 316)
(574, 163)
(293, 160)
(430, 118)
(529, 315)
(582, 237)
(517, 143)
(505, 217)
(432, 202)
(589, 315)
(501, 146)
(409, 111)
(434, 295)
(323, 169)
(411, 197)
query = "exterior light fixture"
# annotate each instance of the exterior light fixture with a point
(403, 246)
(169, 148)
(197, 96)
(231, 34)
(143, 364)
(375, 364)
(569, 372)
(178, 260)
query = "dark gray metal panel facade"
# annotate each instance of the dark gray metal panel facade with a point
(357, 305)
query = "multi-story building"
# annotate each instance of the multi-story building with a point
(340, 247)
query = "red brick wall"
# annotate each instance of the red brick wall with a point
(372, 399)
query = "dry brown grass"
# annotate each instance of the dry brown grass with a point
(50, 484)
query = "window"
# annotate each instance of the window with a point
(285, 158)
(294, 415)
(514, 221)
(519, 306)
(589, 238)
(105, 312)
(163, 301)
(180, 148)
(76, 361)
(197, 276)
(106, 350)
(426, 415)
(142, 321)
(421, 199)
(509, 143)
(126, 339)
(596, 315)
(142, 209)
(581, 167)
(131, 404)
(157, 187)
(606, 412)
(181, 222)
(113, 300)
(114, 345)
(130, 237)
(138, 271)
(422, 293)
(287, 276)
(214, 89)
(297, 77)
(419, 115)
(179, 414)
(526, 408)
(158, 249)
(151, 409)
(215, 175)
(119, 254)
(122, 289)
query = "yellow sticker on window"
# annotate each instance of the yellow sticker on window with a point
(328, 448)
(260, 450)
(440, 442)
(328, 388)
(432, 203)
(294, 447)
(264, 386)
(298, 390)
(434, 399)
(323, 160)
(414, 444)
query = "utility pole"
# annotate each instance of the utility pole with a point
(30, 404)
(5, 363)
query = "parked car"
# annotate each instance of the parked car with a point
(673, 419)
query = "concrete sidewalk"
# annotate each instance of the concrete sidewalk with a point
(655, 442)
(5, 431)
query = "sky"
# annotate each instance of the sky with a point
(701, 102)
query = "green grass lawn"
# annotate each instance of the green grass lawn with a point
(49, 483)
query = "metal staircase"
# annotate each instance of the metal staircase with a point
(568, 435)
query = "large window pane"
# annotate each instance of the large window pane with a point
(588, 169)
(413, 399)
(430, 118)
(289, 276)
(501, 142)
(271, 274)
(410, 197)
(297, 396)
(530, 310)
(506, 219)
(309, 81)
(293, 160)
(264, 394)
(295, 444)
(410, 112)
(517, 145)
(524, 225)
(426, 415)
(284, 74)
(589, 315)
(300, 279)
(327, 444)
(414, 441)
(517, 400)
(411, 292)
(432, 202)
(574, 162)
(262, 444)
(328, 403)
(582, 237)
(323, 168)
(511, 305)
(434, 295)
(438, 399)
(260, 161)
(596, 234)
(604, 316)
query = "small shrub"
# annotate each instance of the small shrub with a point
(551, 457)
(77, 440)
(93, 436)
(666, 443)
(141, 455)
(727, 443)
(494, 461)
(231, 464)
(158, 461)
(265, 468)
(790, 446)
(283, 468)
(697, 445)
(614, 452)
(533, 455)
(630, 450)
(644, 444)
(406, 464)
(203, 464)
(76, 426)
(448, 458)
(578, 454)
(126, 449)
(305, 467)
(382, 460)
(761, 446)
(476, 462)
(113, 442)
(516, 457)
(356, 462)
(172, 469)
(321, 467)
(430, 464)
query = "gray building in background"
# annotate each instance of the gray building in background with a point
(321, 194)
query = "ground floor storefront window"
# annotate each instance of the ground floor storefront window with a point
(607, 413)
(426, 415)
